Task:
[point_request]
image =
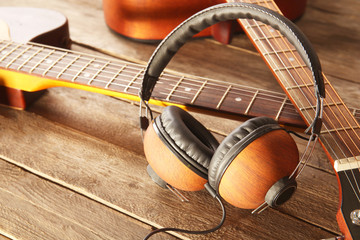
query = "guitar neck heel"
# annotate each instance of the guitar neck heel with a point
(18, 99)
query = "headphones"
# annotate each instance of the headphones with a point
(255, 162)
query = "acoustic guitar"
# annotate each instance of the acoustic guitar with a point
(46, 27)
(33, 67)
(340, 134)
(146, 20)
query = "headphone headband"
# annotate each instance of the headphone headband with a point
(223, 12)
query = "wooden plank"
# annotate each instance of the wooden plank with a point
(39, 209)
(85, 141)
(92, 167)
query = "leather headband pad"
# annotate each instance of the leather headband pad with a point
(223, 12)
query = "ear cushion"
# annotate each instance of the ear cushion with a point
(193, 144)
(234, 143)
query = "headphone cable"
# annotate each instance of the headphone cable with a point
(193, 232)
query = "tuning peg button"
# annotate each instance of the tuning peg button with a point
(355, 217)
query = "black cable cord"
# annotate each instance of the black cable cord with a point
(298, 135)
(193, 232)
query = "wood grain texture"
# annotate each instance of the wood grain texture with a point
(40, 209)
(89, 146)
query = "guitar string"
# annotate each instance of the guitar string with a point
(357, 185)
(137, 69)
(234, 90)
(210, 83)
(276, 40)
(300, 89)
(248, 89)
(338, 133)
(284, 111)
(271, 46)
(200, 82)
(136, 88)
(351, 125)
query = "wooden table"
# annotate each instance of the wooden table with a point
(72, 165)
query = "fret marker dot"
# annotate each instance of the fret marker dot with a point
(25, 56)
(4, 52)
(48, 61)
(86, 74)
(96, 65)
(291, 59)
(272, 30)
(187, 89)
(238, 99)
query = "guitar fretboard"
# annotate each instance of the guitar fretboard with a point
(341, 132)
(125, 77)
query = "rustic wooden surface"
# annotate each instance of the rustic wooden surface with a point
(72, 166)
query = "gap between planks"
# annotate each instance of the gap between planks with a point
(86, 194)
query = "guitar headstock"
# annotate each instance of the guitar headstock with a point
(349, 213)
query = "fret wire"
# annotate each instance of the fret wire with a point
(279, 51)
(63, 74)
(251, 103)
(98, 72)
(356, 184)
(266, 38)
(81, 69)
(282, 76)
(47, 70)
(7, 45)
(340, 129)
(115, 76)
(10, 52)
(198, 92)
(281, 107)
(29, 58)
(287, 68)
(325, 100)
(300, 86)
(325, 105)
(174, 88)
(88, 56)
(67, 66)
(63, 54)
(133, 80)
(36, 65)
(54, 63)
(340, 111)
(223, 97)
(343, 126)
(17, 57)
(335, 115)
(281, 72)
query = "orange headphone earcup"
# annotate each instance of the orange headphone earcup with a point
(248, 162)
(185, 142)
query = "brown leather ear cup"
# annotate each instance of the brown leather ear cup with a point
(179, 149)
(250, 160)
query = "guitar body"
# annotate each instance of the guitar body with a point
(31, 25)
(146, 20)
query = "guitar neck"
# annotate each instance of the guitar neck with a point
(341, 131)
(33, 67)
(340, 135)
(52, 67)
